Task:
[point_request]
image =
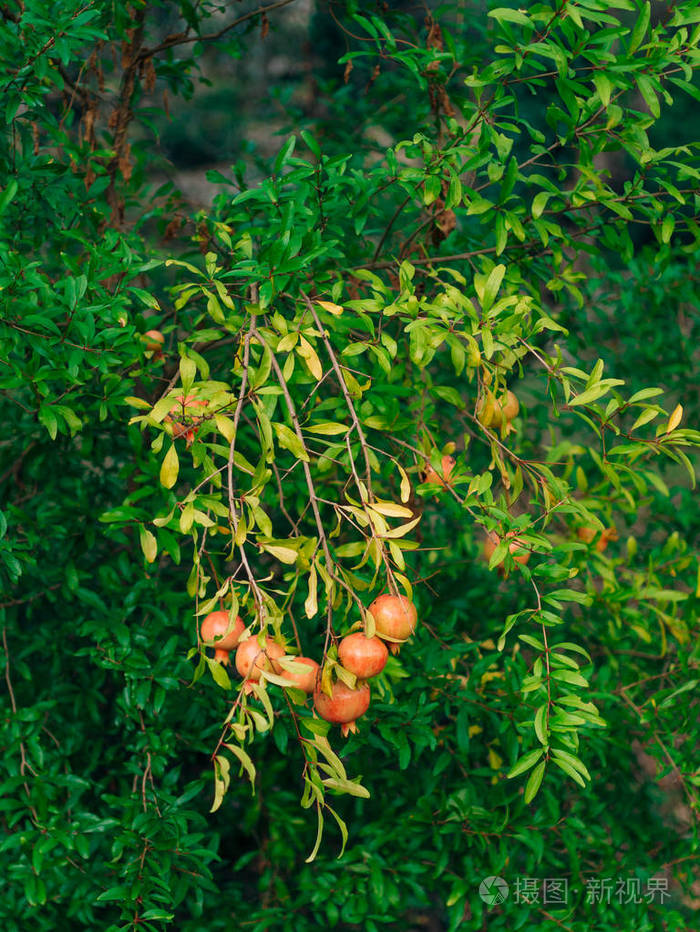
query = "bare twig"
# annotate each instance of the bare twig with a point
(24, 766)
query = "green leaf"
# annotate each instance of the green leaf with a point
(49, 420)
(533, 783)
(343, 829)
(319, 835)
(589, 395)
(347, 786)
(188, 371)
(219, 674)
(572, 760)
(246, 762)
(540, 725)
(569, 770)
(493, 283)
(506, 15)
(525, 762)
(289, 441)
(539, 203)
(640, 27)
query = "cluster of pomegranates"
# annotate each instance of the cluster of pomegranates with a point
(498, 411)
(395, 621)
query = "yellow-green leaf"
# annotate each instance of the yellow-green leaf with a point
(149, 544)
(170, 468)
(392, 509)
(675, 418)
(188, 370)
(311, 603)
(332, 308)
(283, 554)
(222, 779)
(310, 356)
(405, 485)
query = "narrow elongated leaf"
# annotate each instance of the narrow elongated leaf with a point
(525, 762)
(170, 468)
(534, 782)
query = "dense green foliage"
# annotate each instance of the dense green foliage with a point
(462, 201)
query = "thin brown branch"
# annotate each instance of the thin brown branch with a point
(186, 39)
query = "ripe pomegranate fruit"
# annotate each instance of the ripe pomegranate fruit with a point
(186, 423)
(306, 680)
(215, 625)
(395, 617)
(344, 707)
(519, 554)
(431, 475)
(587, 535)
(363, 656)
(510, 406)
(252, 659)
(154, 340)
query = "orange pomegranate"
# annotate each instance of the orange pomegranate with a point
(344, 707)
(154, 341)
(306, 680)
(252, 659)
(216, 626)
(363, 656)
(395, 618)
(587, 534)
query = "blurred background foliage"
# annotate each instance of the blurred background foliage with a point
(106, 781)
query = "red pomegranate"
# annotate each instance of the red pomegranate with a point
(306, 680)
(362, 656)
(395, 617)
(252, 659)
(214, 626)
(344, 707)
